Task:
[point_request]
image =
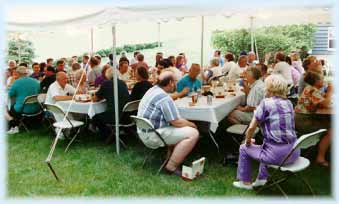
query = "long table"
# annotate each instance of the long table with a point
(213, 113)
(88, 108)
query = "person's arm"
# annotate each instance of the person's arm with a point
(246, 108)
(182, 123)
(328, 98)
(62, 98)
(183, 93)
(250, 131)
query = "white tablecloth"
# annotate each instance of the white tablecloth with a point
(214, 113)
(89, 108)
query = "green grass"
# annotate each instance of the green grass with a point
(91, 168)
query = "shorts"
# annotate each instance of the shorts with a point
(171, 135)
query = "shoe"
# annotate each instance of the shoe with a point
(13, 130)
(240, 184)
(323, 163)
(259, 182)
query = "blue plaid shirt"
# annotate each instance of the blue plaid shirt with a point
(158, 107)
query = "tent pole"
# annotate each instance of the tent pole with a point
(252, 31)
(92, 42)
(159, 36)
(115, 91)
(202, 43)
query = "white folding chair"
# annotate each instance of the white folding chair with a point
(145, 130)
(29, 100)
(304, 142)
(62, 123)
(125, 121)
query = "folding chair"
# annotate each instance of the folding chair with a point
(237, 133)
(125, 121)
(47, 115)
(146, 130)
(299, 165)
(62, 123)
(29, 100)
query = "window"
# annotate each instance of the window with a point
(331, 38)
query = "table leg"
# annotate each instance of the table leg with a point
(211, 134)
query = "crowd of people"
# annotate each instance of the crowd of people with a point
(266, 86)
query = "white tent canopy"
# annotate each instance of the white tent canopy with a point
(43, 18)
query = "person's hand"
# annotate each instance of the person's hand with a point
(193, 125)
(240, 108)
(185, 91)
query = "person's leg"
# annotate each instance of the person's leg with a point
(232, 117)
(322, 148)
(246, 155)
(101, 120)
(189, 137)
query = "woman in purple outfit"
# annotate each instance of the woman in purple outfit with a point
(275, 117)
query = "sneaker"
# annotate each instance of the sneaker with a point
(259, 182)
(240, 184)
(13, 130)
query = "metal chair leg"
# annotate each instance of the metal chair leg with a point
(146, 158)
(123, 144)
(307, 184)
(163, 165)
(281, 190)
(23, 125)
(69, 144)
(214, 141)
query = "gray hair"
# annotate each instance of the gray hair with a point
(215, 62)
(276, 85)
(109, 73)
(21, 70)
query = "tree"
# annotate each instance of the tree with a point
(268, 39)
(20, 51)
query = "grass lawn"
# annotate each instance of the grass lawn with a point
(91, 168)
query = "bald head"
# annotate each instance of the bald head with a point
(194, 71)
(166, 81)
(61, 78)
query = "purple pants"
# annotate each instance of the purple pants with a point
(266, 154)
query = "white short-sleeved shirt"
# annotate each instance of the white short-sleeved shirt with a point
(228, 66)
(284, 70)
(235, 72)
(217, 71)
(56, 90)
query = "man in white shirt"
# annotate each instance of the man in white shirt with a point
(236, 71)
(283, 68)
(59, 90)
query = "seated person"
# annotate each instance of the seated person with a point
(48, 79)
(13, 76)
(102, 120)
(94, 71)
(22, 87)
(123, 73)
(102, 78)
(254, 90)
(71, 79)
(307, 120)
(237, 71)
(190, 80)
(80, 80)
(36, 71)
(59, 90)
(142, 86)
(158, 107)
(278, 136)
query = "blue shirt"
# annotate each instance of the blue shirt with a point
(221, 62)
(158, 107)
(186, 81)
(21, 88)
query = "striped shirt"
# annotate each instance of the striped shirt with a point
(256, 93)
(158, 107)
(276, 118)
